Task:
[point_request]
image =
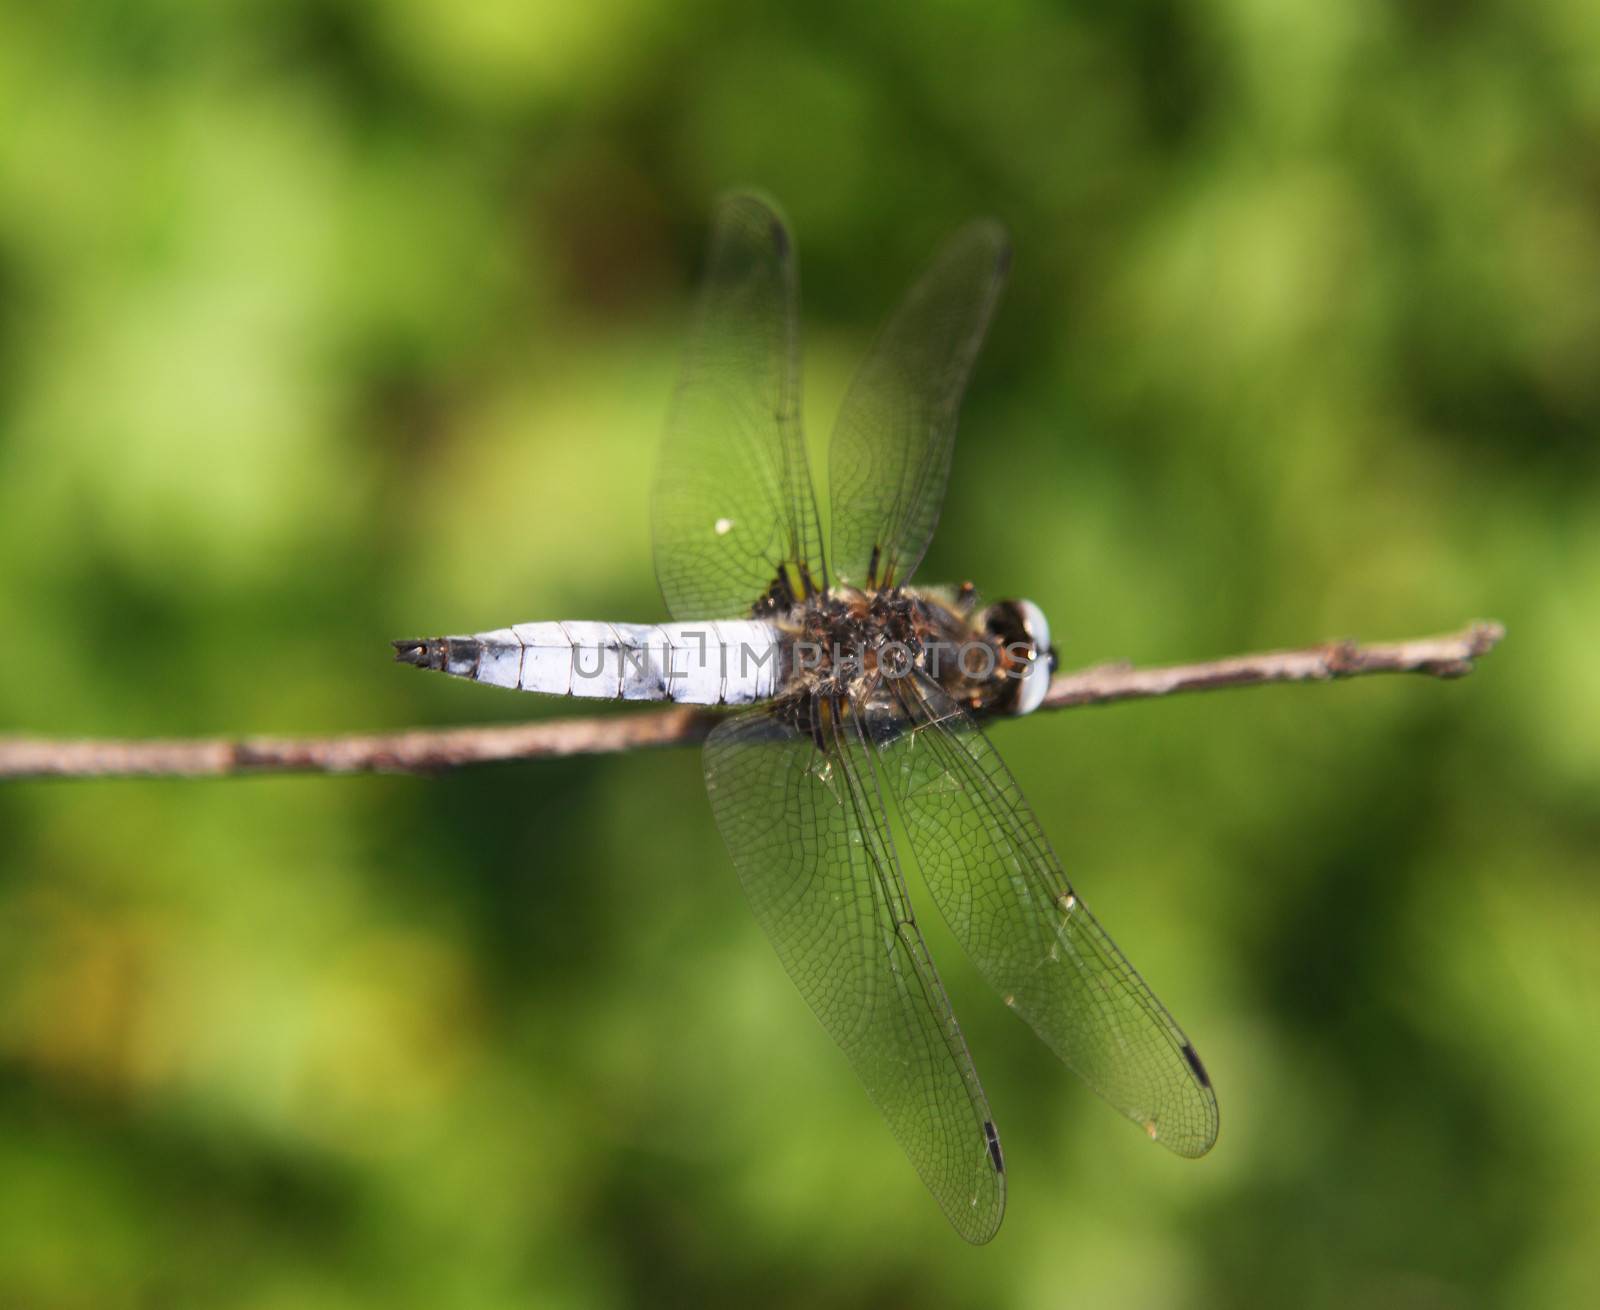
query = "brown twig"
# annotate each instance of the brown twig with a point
(426, 750)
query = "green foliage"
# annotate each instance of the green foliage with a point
(324, 322)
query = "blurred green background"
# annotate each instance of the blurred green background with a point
(324, 322)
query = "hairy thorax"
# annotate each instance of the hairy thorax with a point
(855, 645)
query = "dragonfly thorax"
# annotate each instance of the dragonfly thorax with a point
(856, 645)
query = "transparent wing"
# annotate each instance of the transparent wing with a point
(735, 513)
(1002, 891)
(800, 811)
(890, 456)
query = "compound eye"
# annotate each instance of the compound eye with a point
(1034, 624)
(1035, 683)
(1036, 678)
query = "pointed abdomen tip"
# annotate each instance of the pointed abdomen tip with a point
(411, 650)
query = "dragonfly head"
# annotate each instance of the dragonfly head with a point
(1023, 631)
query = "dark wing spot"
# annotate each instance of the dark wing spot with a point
(994, 1147)
(808, 584)
(780, 595)
(1002, 263)
(1193, 1057)
(780, 239)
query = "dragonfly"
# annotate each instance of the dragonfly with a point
(849, 690)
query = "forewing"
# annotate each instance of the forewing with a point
(802, 817)
(1002, 891)
(890, 457)
(734, 509)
